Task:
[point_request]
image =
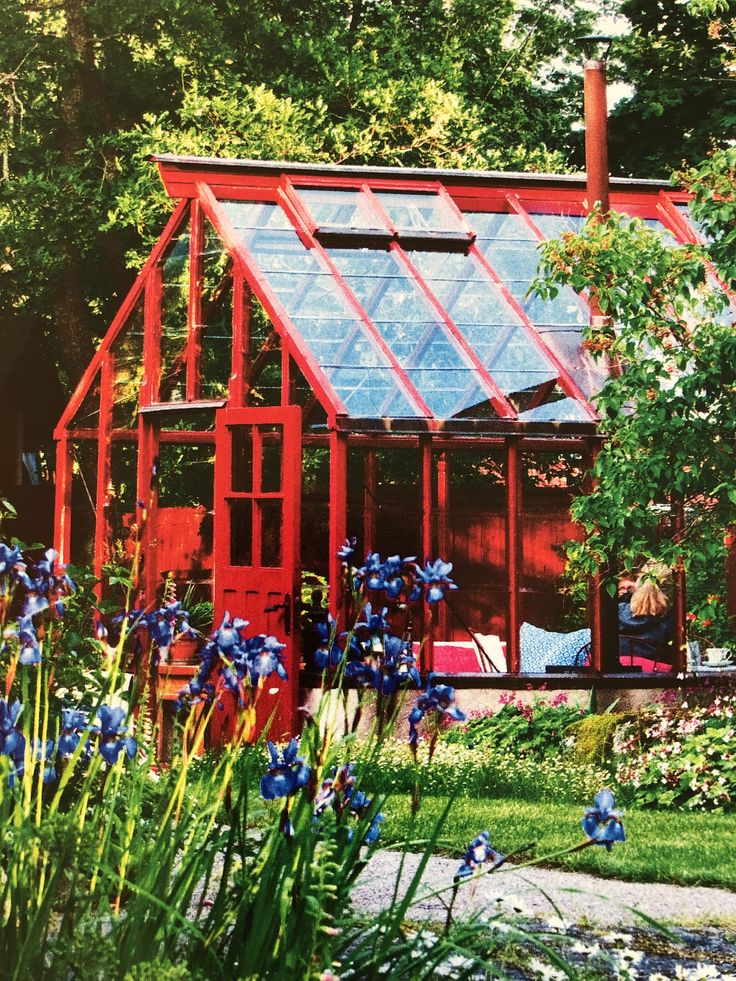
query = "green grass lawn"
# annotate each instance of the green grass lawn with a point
(662, 846)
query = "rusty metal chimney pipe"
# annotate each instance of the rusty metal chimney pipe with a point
(596, 134)
(596, 119)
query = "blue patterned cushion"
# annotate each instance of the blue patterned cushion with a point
(542, 647)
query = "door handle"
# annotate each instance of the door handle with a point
(286, 607)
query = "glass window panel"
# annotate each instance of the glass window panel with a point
(561, 410)
(186, 475)
(265, 359)
(501, 226)
(128, 355)
(241, 532)
(346, 209)
(83, 513)
(271, 443)
(241, 476)
(413, 330)
(564, 309)
(271, 523)
(122, 494)
(552, 226)
(87, 415)
(589, 375)
(217, 317)
(479, 310)
(174, 326)
(559, 321)
(369, 393)
(419, 212)
(255, 214)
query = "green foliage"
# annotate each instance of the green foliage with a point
(669, 416)
(536, 730)
(678, 59)
(593, 737)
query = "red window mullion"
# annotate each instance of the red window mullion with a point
(104, 443)
(338, 522)
(194, 319)
(63, 502)
(514, 554)
(241, 340)
(259, 285)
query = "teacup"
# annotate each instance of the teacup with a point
(717, 656)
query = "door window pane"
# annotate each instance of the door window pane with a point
(271, 447)
(271, 533)
(241, 478)
(241, 532)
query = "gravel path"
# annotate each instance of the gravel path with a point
(534, 892)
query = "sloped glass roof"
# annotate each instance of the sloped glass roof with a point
(411, 308)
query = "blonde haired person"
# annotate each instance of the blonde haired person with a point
(645, 623)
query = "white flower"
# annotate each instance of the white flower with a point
(704, 971)
(545, 971)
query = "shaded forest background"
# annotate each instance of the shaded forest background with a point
(89, 88)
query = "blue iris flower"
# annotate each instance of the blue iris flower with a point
(374, 830)
(479, 853)
(49, 584)
(346, 550)
(12, 741)
(328, 653)
(437, 698)
(113, 740)
(227, 636)
(264, 657)
(339, 793)
(73, 723)
(601, 823)
(12, 566)
(287, 772)
(434, 579)
(372, 572)
(30, 652)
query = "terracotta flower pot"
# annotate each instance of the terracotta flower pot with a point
(183, 650)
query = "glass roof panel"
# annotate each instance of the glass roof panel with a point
(334, 333)
(489, 323)
(419, 339)
(342, 208)
(426, 212)
(552, 226)
(511, 248)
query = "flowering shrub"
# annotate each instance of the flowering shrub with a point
(537, 730)
(680, 754)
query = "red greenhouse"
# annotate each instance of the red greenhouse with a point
(312, 352)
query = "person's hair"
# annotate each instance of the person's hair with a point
(648, 600)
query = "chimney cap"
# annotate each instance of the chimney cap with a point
(590, 41)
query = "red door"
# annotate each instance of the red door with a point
(258, 469)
